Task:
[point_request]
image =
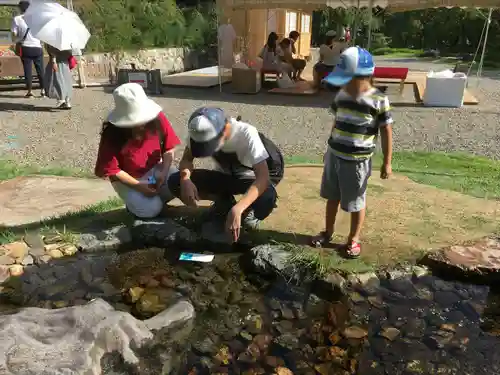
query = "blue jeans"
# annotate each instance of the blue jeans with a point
(32, 56)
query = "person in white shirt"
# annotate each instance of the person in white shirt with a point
(329, 55)
(248, 164)
(31, 51)
(270, 55)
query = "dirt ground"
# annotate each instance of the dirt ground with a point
(403, 219)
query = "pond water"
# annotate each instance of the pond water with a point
(246, 324)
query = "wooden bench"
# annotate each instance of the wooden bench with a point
(392, 73)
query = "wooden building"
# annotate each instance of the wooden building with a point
(252, 26)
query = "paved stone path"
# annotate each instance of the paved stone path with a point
(25, 200)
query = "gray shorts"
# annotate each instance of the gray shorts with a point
(345, 181)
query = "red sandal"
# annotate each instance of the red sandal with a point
(353, 250)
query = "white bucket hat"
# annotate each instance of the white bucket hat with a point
(331, 33)
(132, 106)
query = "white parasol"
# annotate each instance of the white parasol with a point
(55, 25)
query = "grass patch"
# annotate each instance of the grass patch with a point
(321, 262)
(464, 173)
(10, 169)
(69, 225)
(397, 52)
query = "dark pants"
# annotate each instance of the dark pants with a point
(32, 56)
(223, 186)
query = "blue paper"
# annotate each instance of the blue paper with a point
(152, 180)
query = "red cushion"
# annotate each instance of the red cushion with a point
(390, 72)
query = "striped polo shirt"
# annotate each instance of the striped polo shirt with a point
(357, 122)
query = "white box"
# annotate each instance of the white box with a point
(445, 90)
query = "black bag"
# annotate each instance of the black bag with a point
(275, 161)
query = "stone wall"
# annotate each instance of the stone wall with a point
(168, 60)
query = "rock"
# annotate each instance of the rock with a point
(17, 250)
(448, 327)
(134, 294)
(419, 271)
(283, 371)
(60, 304)
(254, 326)
(36, 345)
(55, 254)
(481, 259)
(153, 301)
(37, 251)
(324, 368)
(263, 341)
(167, 282)
(162, 232)
(214, 232)
(69, 249)
(34, 240)
(4, 273)
(246, 336)
(52, 238)
(390, 333)
(288, 341)
(153, 283)
(273, 260)
(6, 260)
(205, 347)
(274, 361)
(354, 332)
(28, 260)
(16, 270)
(109, 239)
(287, 313)
(50, 247)
(223, 355)
(44, 259)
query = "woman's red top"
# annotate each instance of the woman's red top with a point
(136, 157)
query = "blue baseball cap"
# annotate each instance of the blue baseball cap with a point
(354, 61)
(206, 128)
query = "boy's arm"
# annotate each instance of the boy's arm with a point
(385, 122)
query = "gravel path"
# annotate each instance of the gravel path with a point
(300, 125)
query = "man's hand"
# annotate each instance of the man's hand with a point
(385, 171)
(233, 223)
(189, 193)
(54, 67)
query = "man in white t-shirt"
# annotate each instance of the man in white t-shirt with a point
(248, 164)
(31, 52)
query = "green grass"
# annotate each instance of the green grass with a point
(464, 173)
(11, 169)
(397, 52)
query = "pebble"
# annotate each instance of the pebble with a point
(69, 250)
(50, 247)
(28, 260)
(16, 270)
(390, 333)
(4, 273)
(354, 333)
(56, 254)
(16, 250)
(6, 260)
(134, 294)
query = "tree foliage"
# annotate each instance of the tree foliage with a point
(131, 24)
(447, 30)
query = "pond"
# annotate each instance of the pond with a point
(248, 324)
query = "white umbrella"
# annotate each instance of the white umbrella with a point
(55, 25)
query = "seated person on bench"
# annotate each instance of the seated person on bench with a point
(270, 56)
(286, 57)
(329, 55)
(248, 164)
(298, 63)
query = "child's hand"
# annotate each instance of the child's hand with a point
(385, 171)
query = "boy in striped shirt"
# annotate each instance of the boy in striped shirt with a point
(361, 111)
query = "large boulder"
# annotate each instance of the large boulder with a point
(73, 340)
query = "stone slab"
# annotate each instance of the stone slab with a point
(479, 259)
(26, 200)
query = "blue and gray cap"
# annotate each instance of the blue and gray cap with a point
(354, 61)
(206, 128)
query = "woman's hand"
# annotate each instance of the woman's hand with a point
(146, 190)
(189, 193)
(54, 67)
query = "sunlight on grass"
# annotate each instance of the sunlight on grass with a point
(464, 173)
(10, 169)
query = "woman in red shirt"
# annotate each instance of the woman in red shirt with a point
(136, 151)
